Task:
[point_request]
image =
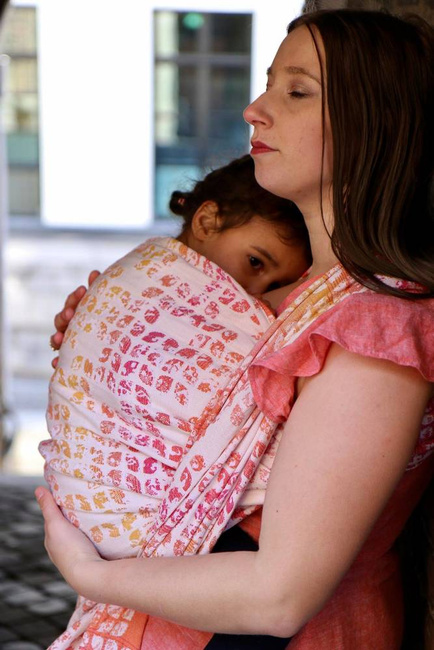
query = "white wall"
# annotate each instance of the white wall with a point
(96, 103)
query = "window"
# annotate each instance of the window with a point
(202, 84)
(20, 109)
(174, 84)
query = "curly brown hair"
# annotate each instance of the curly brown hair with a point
(233, 188)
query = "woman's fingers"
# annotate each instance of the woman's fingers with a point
(52, 516)
(63, 317)
(68, 548)
(92, 277)
(49, 508)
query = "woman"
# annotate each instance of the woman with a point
(344, 129)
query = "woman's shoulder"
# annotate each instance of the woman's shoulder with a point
(371, 324)
(384, 326)
(367, 323)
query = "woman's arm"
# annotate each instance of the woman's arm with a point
(344, 448)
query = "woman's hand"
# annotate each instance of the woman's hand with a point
(62, 319)
(68, 548)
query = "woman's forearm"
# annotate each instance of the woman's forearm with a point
(241, 592)
(226, 592)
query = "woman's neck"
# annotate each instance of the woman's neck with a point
(319, 223)
(323, 257)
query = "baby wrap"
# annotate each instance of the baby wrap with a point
(231, 448)
(150, 343)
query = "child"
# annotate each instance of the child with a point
(156, 335)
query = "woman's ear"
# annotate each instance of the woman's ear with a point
(205, 221)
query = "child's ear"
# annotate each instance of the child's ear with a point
(205, 221)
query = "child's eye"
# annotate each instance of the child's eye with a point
(255, 263)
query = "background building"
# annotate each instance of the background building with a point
(108, 107)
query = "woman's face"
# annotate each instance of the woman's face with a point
(287, 138)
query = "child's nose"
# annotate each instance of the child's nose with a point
(258, 286)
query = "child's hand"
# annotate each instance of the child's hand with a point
(68, 548)
(61, 320)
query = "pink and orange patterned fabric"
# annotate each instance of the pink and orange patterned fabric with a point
(222, 473)
(153, 339)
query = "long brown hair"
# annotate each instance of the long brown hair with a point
(380, 85)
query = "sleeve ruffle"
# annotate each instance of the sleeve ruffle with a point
(373, 325)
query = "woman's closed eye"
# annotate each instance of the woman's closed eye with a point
(297, 94)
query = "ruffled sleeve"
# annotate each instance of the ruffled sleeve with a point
(370, 324)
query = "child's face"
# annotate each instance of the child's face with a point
(255, 256)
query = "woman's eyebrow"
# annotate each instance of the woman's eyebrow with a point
(293, 69)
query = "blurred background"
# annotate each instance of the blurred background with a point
(106, 107)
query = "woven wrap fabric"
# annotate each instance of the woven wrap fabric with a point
(155, 336)
(223, 472)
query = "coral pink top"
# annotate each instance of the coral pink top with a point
(366, 609)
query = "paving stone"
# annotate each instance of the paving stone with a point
(14, 616)
(6, 635)
(38, 629)
(6, 558)
(62, 620)
(60, 588)
(26, 528)
(46, 562)
(26, 597)
(10, 542)
(10, 587)
(49, 606)
(28, 579)
(21, 645)
(33, 564)
(27, 545)
(38, 578)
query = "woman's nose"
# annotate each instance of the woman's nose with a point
(247, 114)
(252, 112)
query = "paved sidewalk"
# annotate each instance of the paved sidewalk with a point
(35, 601)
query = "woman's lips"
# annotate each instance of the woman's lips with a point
(259, 147)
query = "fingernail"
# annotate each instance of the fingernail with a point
(38, 493)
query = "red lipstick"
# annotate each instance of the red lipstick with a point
(259, 147)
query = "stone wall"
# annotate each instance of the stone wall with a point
(424, 8)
